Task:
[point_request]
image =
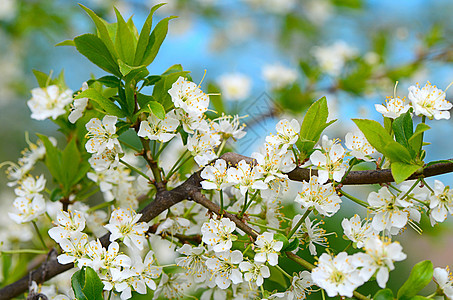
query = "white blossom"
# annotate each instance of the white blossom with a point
(444, 280)
(267, 248)
(358, 231)
(336, 275)
(279, 76)
(215, 176)
(156, 129)
(78, 106)
(218, 235)
(202, 146)
(30, 186)
(97, 257)
(49, 102)
(359, 146)
(235, 86)
(229, 127)
(68, 224)
(441, 202)
(29, 208)
(332, 58)
(123, 224)
(429, 101)
(246, 177)
(102, 135)
(393, 108)
(379, 258)
(310, 233)
(194, 262)
(321, 197)
(287, 134)
(254, 272)
(188, 96)
(329, 160)
(224, 267)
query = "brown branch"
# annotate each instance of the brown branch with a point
(191, 188)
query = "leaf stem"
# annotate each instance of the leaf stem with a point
(354, 199)
(135, 169)
(221, 202)
(39, 234)
(284, 272)
(291, 233)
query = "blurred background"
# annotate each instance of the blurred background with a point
(270, 59)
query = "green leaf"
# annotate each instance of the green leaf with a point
(107, 105)
(66, 43)
(155, 41)
(77, 283)
(388, 124)
(151, 80)
(397, 153)
(421, 275)
(70, 160)
(53, 158)
(157, 109)
(42, 78)
(144, 35)
(93, 285)
(291, 246)
(439, 161)
(403, 129)
(125, 69)
(95, 50)
(416, 139)
(87, 285)
(108, 81)
(129, 90)
(56, 195)
(124, 40)
(277, 276)
(385, 294)
(401, 171)
(313, 125)
(103, 32)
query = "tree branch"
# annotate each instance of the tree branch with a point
(191, 188)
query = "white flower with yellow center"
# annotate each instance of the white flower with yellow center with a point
(393, 108)
(359, 146)
(287, 135)
(224, 267)
(78, 106)
(97, 257)
(102, 135)
(444, 281)
(31, 186)
(246, 177)
(329, 160)
(49, 102)
(215, 176)
(218, 235)
(123, 225)
(379, 258)
(441, 202)
(194, 262)
(29, 208)
(267, 248)
(358, 231)
(157, 129)
(321, 197)
(429, 101)
(202, 146)
(254, 272)
(188, 96)
(68, 224)
(336, 275)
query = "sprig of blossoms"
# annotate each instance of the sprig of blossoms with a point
(267, 248)
(429, 101)
(124, 225)
(218, 235)
(102, 135)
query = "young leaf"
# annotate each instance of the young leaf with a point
(95, 50)
(385, 294)
(66, 43)
(103, 102)
(403, 129)
(155, 41)
(157, 109)
(53, 158)
(103, 32)
(144, 35)
(70, 161)
(42, 78)
(161, 88)
(87, 285)
(77, 283)
(313, 125)
(125, 69)
(415, 141)
(401, 171)
(108, 81)
(421, 275)
(124, 40)
(375, 134)
(151, 80)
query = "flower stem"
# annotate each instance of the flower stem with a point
(427, 185)
(39, 234)
(102, 205)
(221, 202)
(291, 233)
(284, 272)
(172, 170)
(221, 147)
(161, 148)
(358, 201)
(25, 251)
(245, 205)
(264, 226)
(410, 190)
(180, 165)
(248, 204)
(135, 169)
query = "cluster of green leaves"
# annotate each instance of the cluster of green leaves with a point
(120, 50)
(398, 142)
(420, 276)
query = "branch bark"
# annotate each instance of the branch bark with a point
(190, 189)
